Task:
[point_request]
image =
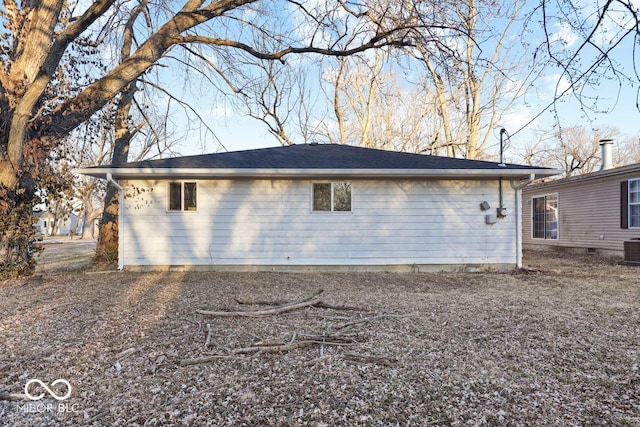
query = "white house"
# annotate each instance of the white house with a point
(66, 223)
(319, 206)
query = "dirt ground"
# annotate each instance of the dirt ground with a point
(558, 344)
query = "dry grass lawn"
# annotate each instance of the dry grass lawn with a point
(557, 345)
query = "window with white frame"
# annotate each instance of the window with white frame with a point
(183, 196)
(634, 203)
(545, 217)
(331, 197)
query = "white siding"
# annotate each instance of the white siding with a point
(269, 222)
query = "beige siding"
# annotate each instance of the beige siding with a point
(588, 212)
(269, 222)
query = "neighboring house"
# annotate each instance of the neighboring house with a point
(46, 219)
(592, 213)
(331, 207)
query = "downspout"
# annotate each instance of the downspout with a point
(111, 180)
(518, 188)
(120, 221)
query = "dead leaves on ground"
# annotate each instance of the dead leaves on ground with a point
(333, 334)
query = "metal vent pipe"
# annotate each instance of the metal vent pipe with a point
(607, 161)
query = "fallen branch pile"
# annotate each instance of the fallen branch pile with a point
(333, 336)
(305, 341)
(281, 307)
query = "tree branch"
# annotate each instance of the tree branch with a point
(261, 313)
(213, 66)
(375, 42)
(73, 112)
(184, 105)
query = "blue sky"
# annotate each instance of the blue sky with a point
(618, 108)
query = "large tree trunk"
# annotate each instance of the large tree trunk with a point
(17, 245)
(442, 106)
(36, 60)
(74, 227)
(56, 219)
(29, 76)
(89, 215)
(107, 246)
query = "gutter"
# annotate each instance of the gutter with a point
(262, 173)
(111, 180)
(532, 177)
(623, 170)
(518, 188)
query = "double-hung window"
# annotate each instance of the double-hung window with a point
(634, 203)
(545, 217)
(183, 196)
(332, 197)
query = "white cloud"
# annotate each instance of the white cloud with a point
(220, 111)
(564, 34)
(558, 84)
(518, 117)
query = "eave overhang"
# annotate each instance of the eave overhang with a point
(128, 173)
(593, 176)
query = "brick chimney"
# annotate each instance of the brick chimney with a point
(607, 161)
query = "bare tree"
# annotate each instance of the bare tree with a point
(574, 150)
(372, 106)
(94, 143)
(627, 151)
(356, 91)
(275, 98)
(477, 71)
(38, 35)
(586, 43)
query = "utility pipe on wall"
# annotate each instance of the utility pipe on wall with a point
(501, 211)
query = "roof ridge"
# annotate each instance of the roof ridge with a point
(328, 159)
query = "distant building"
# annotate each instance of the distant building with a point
(592, 213)
(65, 224)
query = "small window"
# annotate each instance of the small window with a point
(332, 197)
(322, 197)
(190, 197)
(634, 203)
(545, 217)
(183, 196)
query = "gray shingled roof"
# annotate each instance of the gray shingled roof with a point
(317, 156)
(309, 157)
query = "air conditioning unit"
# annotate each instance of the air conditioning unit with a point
(632, 251)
